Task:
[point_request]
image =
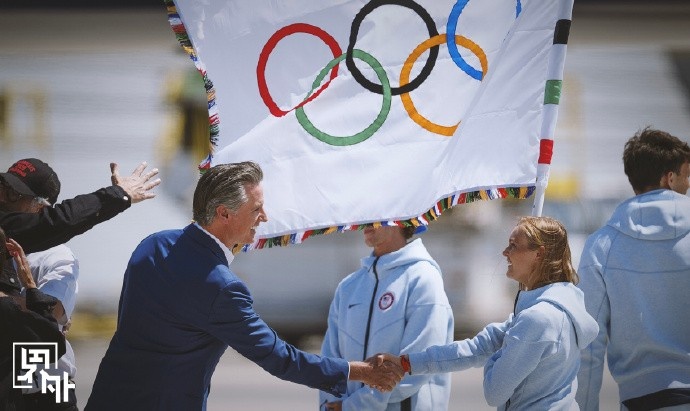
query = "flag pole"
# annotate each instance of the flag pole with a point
(540, 189)
(552, 96)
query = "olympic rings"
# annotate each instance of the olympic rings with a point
(271, 44)
(373, 127)
(406, 86)
(407, 68)
(428, 66)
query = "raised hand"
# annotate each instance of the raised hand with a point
(137, 185)
(23, 269)
(382, 375)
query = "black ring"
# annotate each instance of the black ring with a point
(354, 30)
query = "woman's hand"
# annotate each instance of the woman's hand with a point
(23, 269)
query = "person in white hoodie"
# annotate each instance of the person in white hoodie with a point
(531, 360)
(396, 303)
(635, 274)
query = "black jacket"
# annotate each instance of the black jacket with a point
(17, 325)
(58, 224)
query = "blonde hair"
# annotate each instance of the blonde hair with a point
(556, 264)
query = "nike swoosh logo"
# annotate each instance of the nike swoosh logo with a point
(352, 305)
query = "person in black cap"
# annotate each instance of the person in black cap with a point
(57, 223)
(29, 215)
(29, 182)
(55, 272)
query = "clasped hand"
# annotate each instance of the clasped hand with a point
(378, 372)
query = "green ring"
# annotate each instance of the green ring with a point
(373, 127)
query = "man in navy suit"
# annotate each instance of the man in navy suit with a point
(181, 306)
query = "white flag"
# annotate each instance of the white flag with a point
(378, 112)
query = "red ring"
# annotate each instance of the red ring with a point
(271, 44)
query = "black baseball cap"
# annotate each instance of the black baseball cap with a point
(33, 177)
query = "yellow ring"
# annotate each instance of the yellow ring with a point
(407, 69)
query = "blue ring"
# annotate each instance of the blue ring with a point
(450, 35)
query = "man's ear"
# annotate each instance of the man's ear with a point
(540, 252)
(665, 181)
(222, 212)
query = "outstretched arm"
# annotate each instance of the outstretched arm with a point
(458, 355)
(235, 322)
(60, 223)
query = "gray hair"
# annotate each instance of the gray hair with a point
(224, 184)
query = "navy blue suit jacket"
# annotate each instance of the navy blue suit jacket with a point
(180, 308)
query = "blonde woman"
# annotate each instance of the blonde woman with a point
(531, 360)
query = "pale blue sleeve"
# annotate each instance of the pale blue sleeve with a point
(589, 378)
(460, 355)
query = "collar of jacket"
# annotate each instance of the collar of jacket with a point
(206, 241)
(411, 252)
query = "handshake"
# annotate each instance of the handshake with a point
(380, 371)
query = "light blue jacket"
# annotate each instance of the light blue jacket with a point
(410, 312)
(531, 360)
(635, 273)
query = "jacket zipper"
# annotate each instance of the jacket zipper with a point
(371, 311)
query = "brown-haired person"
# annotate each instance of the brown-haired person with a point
(29, 321)
(531, 360)
(635, 273)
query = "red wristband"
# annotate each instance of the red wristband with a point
(405, 362)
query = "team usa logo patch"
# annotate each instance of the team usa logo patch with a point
(386, 301)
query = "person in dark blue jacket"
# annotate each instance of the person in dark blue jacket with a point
(181, 306)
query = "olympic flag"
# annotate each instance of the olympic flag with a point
(378, 112)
